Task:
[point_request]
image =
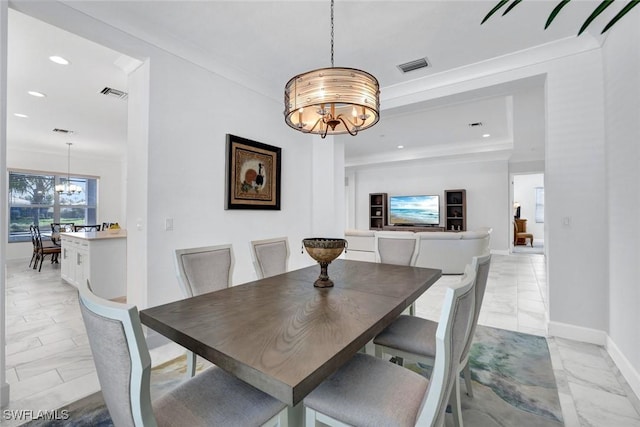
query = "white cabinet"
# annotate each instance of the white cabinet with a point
(99, 257)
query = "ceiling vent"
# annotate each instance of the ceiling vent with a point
(413, 65)
(65, 131)
(115, 93)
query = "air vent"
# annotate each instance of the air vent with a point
(115, 93)
(65, 131)
(413, 65)
(475, 124)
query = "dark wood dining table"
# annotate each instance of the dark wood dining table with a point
(282, 335)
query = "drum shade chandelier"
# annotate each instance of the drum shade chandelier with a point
(67, 187)
(332, 101)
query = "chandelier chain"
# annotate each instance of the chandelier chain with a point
(331, 33)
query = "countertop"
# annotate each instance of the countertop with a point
(97, 235)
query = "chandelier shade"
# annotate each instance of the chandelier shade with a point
(332, 101)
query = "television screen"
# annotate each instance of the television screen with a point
(414, 210)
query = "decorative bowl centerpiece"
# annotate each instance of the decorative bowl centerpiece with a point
(324, 250)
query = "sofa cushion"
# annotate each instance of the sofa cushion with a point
(439, 235)
(474, 234)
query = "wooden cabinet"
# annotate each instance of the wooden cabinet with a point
(100, 257)
(378, 211)
(455, 210)
(414, 228)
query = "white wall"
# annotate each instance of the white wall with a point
(110, 202)
(188, 121)
(486, 184)
(524, 192)
(622, 91)
(577, 253)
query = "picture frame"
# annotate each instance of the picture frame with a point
(253, 172)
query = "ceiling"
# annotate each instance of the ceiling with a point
(261, 44)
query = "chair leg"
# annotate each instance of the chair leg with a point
(454, 401)
(412, 309)
(32, 258)
(191, 364)
(467, 379)
(41, 261)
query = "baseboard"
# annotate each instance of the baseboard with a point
(626, 368)
(577, 333)
(499, 251)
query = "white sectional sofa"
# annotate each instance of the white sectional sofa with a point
(447, 251)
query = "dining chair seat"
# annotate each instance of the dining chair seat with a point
(414, 335)
(216, 398)
(371, 386)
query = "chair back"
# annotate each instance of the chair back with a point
(451, 336)
(34, 241)
(480, 265)
(270, 256)
(95, 227)
(205, 269)
(397, 247)
(121, 357)
(36, 237)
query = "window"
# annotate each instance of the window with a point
(539, 204)
(32, 200)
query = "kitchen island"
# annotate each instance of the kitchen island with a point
(97, 256)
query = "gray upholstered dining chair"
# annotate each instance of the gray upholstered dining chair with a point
(201, 270)
(399, 248)
(370, 391)
(123, 365)
(270, 256)
(414, 338)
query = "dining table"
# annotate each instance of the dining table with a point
(284, 336)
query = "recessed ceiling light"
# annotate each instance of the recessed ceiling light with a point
(36, 94)
(486, 135)
(400, 146)
(23, 116)
(59, 60)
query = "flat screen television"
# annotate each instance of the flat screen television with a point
(414, 210)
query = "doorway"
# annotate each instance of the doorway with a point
(528, 212)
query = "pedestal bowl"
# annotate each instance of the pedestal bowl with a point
(324, 250)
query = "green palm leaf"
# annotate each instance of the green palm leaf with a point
(494, 10)
(511, 6)
(620, 14)
(601, 7)
(555, 11)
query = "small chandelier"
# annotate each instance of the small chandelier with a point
(67, 187)
(332, 101)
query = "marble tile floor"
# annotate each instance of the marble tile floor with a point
(49, 362)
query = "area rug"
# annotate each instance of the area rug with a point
(512, 380)
(513, 385)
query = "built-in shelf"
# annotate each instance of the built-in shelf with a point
(455, 210)
(377, 211)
